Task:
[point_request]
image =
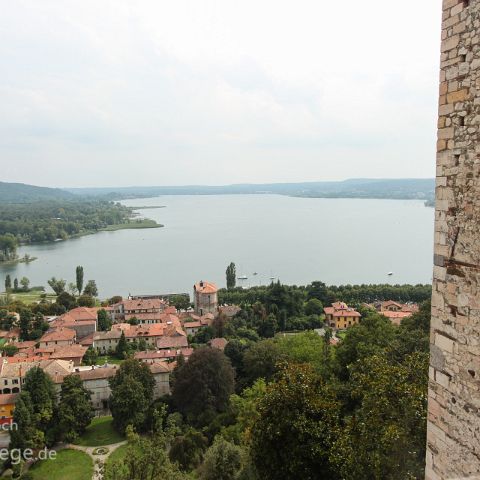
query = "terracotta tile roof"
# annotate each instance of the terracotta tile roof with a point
(97, 373)
(23, 345)
(70, 351)
(164, 354)
(52, 367)
(192, 325)
(87, 341)
(172, 342)
(219, 343)
(390, 303)
(80, 314)
(205, 287)
(159, 367)
(142, 304)
(58, 335)
(340, 309)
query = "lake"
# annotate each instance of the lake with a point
(295, 240)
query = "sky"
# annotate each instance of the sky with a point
(138, 92)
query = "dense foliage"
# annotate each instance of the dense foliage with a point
(52, 220)
(290, 298)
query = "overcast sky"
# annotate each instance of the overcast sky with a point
(117, 93)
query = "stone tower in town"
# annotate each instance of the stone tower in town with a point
(453, 443)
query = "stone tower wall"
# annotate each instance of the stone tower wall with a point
(453, 444)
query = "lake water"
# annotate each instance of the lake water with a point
(296, 240)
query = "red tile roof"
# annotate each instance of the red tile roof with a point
(172, 342)
(205, 287)
(219, 343)
(58, 335)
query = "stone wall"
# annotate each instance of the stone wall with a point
(453, 444)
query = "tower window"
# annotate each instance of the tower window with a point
(463, 58)
(466, 3)
(461, 121)
(456, 159)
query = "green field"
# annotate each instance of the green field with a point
(68, 465)
(100, 432)
(117, 455)
(29, 297)
(102, 359)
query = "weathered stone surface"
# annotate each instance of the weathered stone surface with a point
(453, 440)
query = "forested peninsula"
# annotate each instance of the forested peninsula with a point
(35, 214)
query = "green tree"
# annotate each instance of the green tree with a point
(314, 307)
(86, 301)
(187, 450)
(384, 439)
(75, 409)
(132, 394)
(231, 274)
(91, 289)
(91, 356)
(121, 349)
(103, 321)
(8, 283)
(223, 461)
(24, 282)
(15, 284)
(262, 360)
(9, 350)
(297, 423)
(42, 393)
(26, 434)
(79, 278)
(58, 286)
(25, 324)
(66, 300)
(203, 385)
(8, 247)
(146, 459)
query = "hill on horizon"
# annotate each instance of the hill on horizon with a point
(414, 188)
(23, 193)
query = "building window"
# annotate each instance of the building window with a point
(461, 121)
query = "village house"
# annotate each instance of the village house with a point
(391, 306)
(172, 342)
(58, 337)
(193, 323)
(205, 297)
(105, 341)
(164, 355)
(12, 375)
(146, 308)
(96, 380)
(74, 352)
(81, 319)
(340, 316)
(7, 405)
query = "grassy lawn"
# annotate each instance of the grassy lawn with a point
(68, 465)
(109, 359)
(100, 432)
(118, 454)
(30, 297)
